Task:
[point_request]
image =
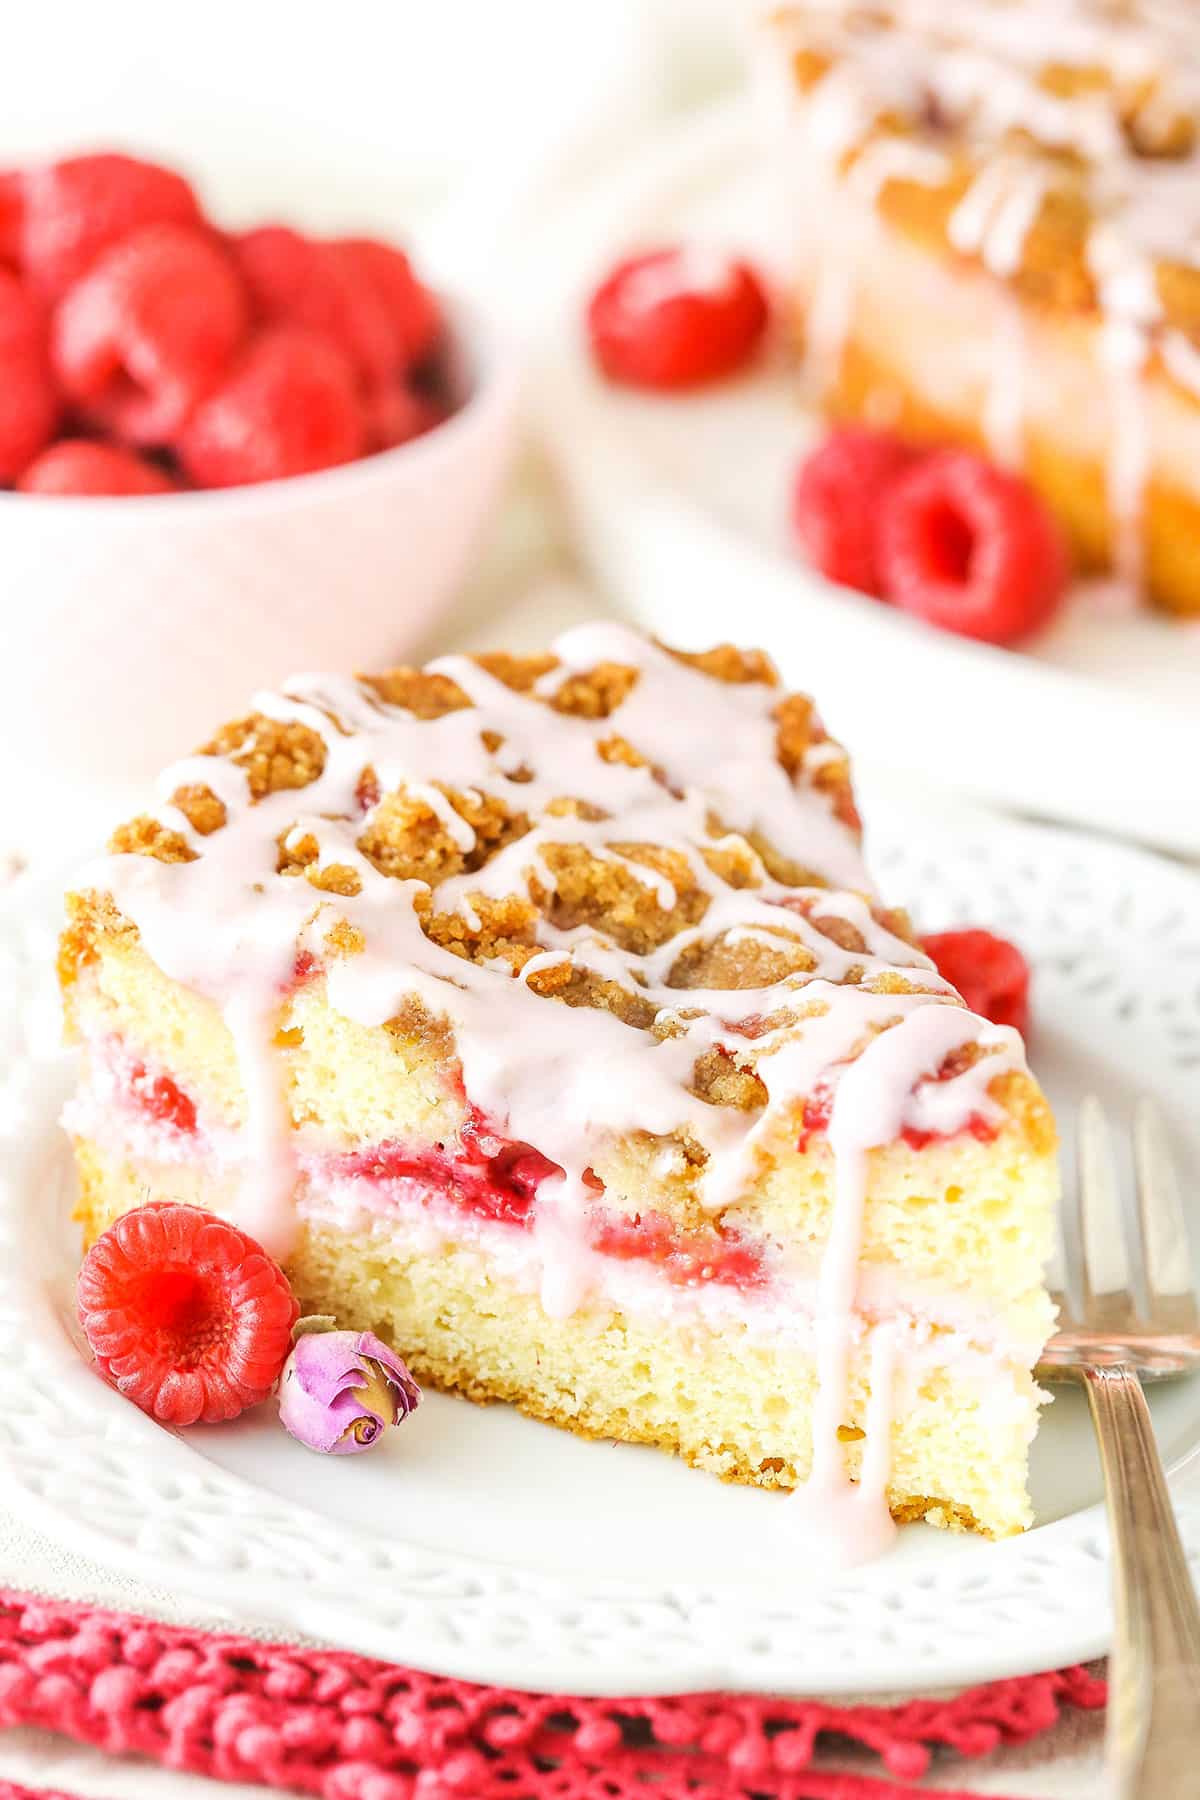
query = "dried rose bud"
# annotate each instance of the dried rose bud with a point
(340, 1390)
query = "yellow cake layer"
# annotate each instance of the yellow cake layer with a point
(728, 1403)
(960, 1213)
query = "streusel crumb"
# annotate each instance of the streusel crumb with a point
(628, 896)
(274, 755)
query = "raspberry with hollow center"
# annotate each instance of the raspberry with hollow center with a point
(989, 972)
(971, 548)
(676, 318)
(73, 210)
(186, 1316)
(835, 502)
(78, 466)
(150, 331)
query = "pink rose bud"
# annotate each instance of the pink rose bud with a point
(340, 1390)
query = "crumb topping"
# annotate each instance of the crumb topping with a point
(556, 822)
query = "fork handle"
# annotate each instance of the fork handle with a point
(1154, 1673)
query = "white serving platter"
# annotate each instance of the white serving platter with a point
(680, 503)
(480, 1544)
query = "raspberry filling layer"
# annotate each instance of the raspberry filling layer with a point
(493, 1177)
(160, 1098)
(497, 1179)
(818, 1109)
(685, 1258)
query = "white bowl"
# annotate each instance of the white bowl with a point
(133, 627)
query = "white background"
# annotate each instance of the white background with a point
(339, 105)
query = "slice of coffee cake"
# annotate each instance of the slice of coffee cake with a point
(539, 1013)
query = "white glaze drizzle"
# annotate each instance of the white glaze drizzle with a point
(852, 225)
(571, 1081)
(992, 222)
(1125, 349)
(876, 1096)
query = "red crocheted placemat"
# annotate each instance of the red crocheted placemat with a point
(344, 1727)
(10, 1791)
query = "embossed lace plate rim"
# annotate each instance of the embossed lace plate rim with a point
(1111, 929)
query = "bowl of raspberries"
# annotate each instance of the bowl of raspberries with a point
(224, 455)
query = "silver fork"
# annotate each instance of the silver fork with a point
(1112, 1342)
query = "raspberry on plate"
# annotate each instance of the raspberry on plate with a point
(971, 547)
(989, 972)
(75, 209)
(29, 403)
(150, 331)
(835, 502)
(290, 406)
(676, 318)
(186, 1316)
(79, 466)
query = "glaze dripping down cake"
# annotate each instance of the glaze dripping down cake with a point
(539, 1013)
(993, 221)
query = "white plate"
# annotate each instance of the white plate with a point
(480, 1544)
(681, 503)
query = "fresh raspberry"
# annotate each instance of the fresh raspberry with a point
(835, 502)
(395, 413)
(186, 1316)
(150, 331)
(29, 404)
(78, 466)
(290, 406)
(971, 548)
(77, 208)
(294, 280)
(12, 214)
(676, 318)
(413, 312)
(990, 973)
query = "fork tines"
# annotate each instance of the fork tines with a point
(1114, 1292)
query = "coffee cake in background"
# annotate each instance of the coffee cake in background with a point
(995, 218)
